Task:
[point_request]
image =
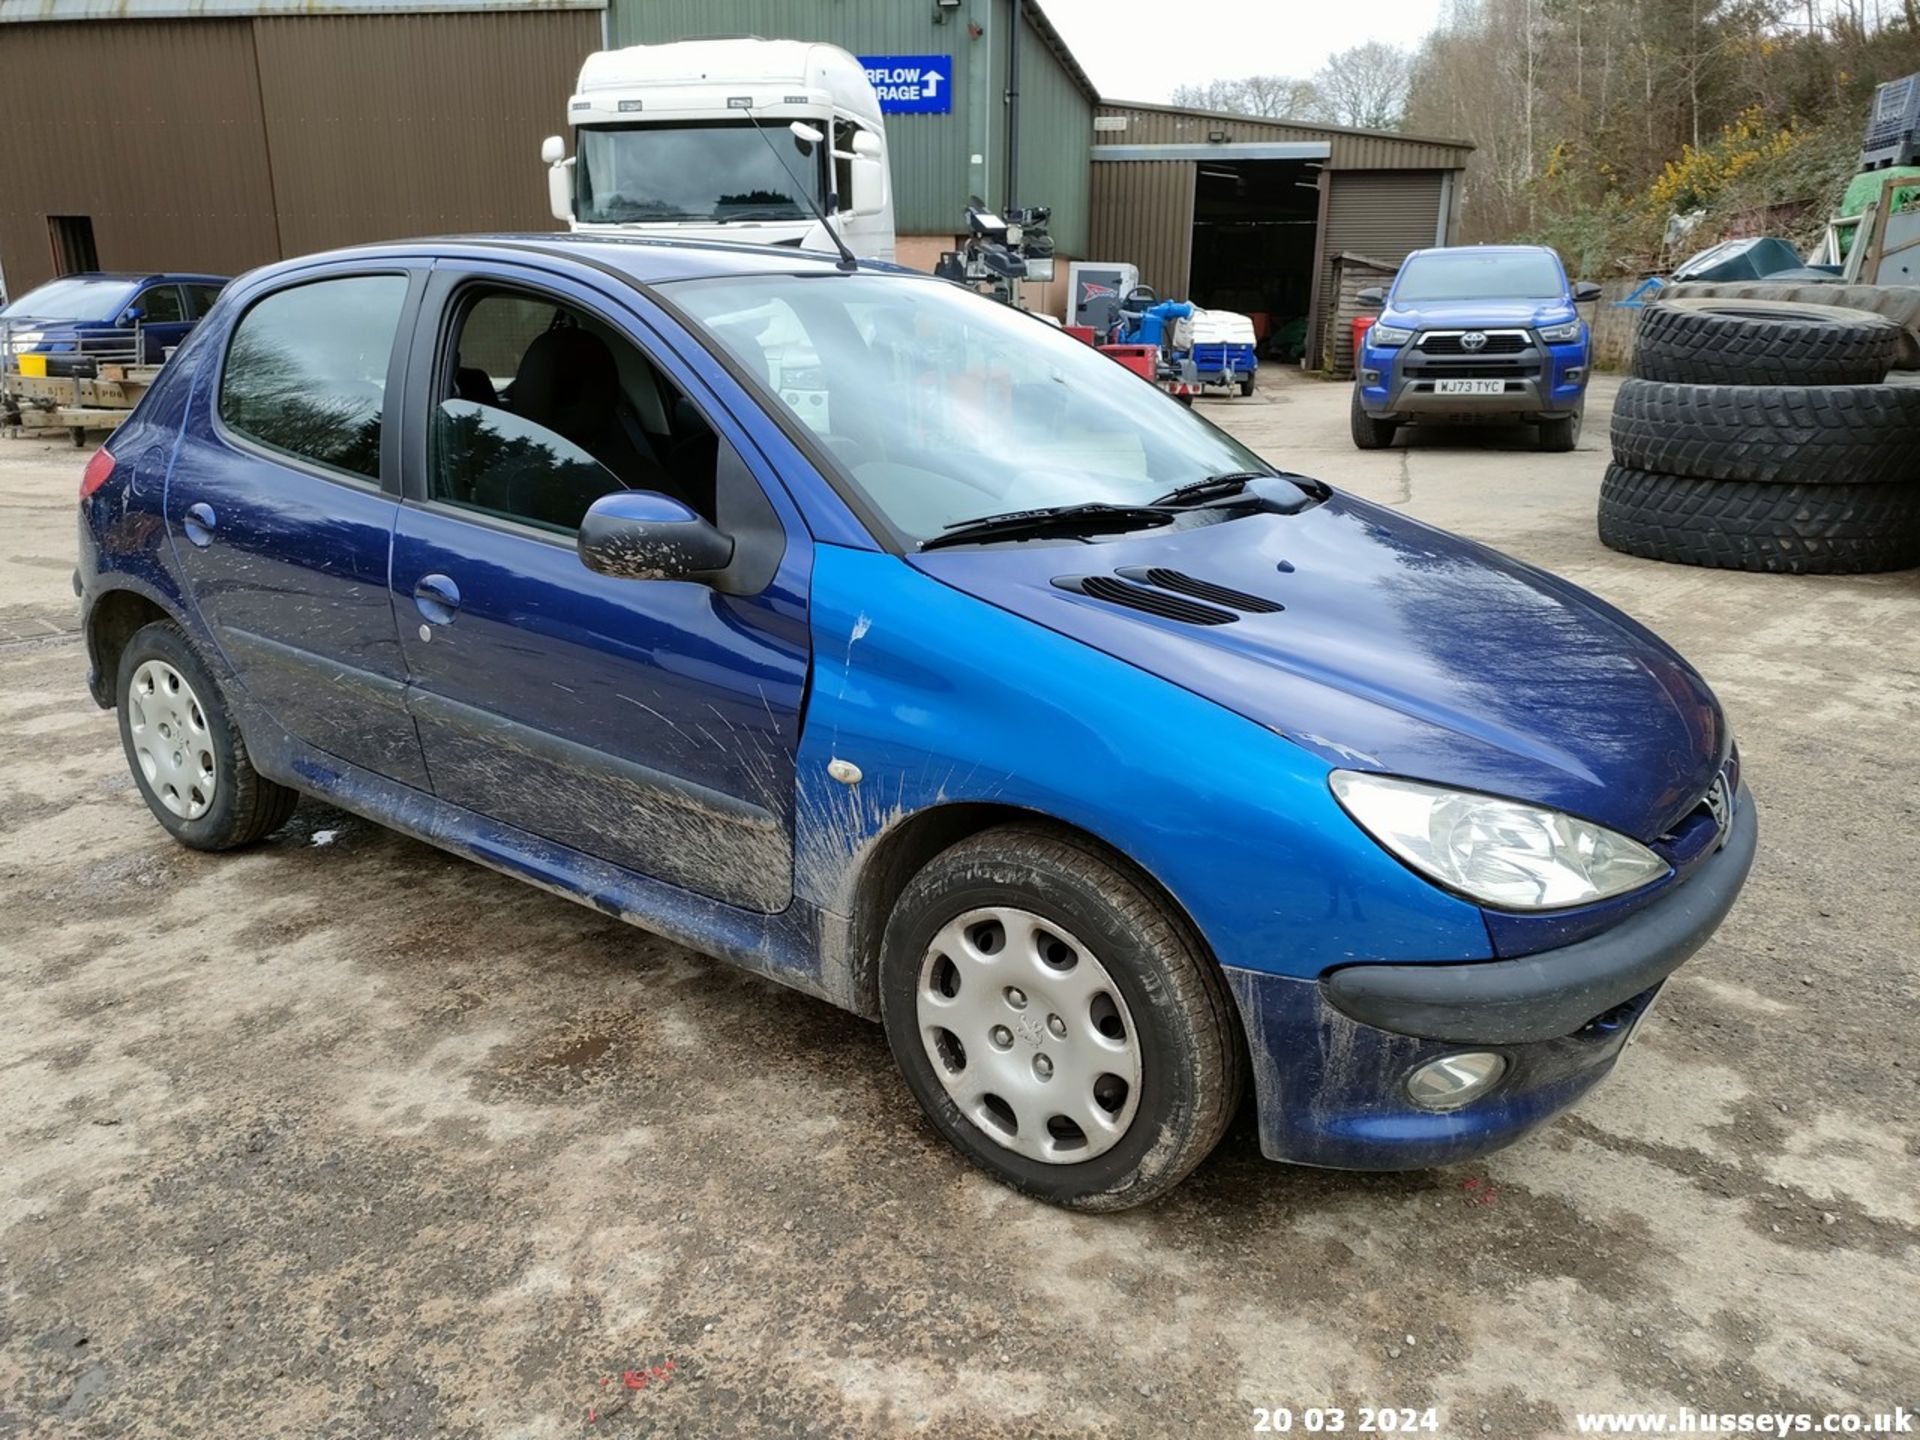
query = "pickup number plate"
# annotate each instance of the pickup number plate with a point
(1469, 387)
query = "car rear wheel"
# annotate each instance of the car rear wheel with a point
(1369, 433)
(187, 755)
(1060, 1027)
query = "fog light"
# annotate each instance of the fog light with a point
(1455, 1080)
(1370, 377)
(1575, 374)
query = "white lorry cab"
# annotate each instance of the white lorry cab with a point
(726, 139)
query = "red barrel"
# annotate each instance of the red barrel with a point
(1360, 324)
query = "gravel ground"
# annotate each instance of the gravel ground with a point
(342, 1136)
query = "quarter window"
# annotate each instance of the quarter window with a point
(306, 371)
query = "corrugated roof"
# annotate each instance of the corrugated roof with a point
(25, 12)
(1281, 121)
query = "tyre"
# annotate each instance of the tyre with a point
(1563, 434)
(1776, 434)
(1246, 386)
(187, 755)
(1763, 342)
(1369, 433)
(1835, 529)
(1060, 1027)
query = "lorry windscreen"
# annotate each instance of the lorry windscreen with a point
(1470, 275)
(713, 170)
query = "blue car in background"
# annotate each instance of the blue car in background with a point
(79, 322)
(1479, 333)
(997, 697)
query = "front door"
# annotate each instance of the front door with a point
(164, 321)
(282, 525)
(651, 724)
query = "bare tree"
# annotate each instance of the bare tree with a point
(1367, 86)
(1273, 97)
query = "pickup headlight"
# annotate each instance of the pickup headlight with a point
(1561, 334)
(1388, 335)
(1499, 852)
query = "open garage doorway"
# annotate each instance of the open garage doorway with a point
(1255, 224)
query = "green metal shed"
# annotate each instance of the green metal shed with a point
(939, 161)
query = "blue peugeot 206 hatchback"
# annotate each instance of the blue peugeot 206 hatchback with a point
(990, 693)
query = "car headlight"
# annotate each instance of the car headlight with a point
(25, 337)
(1499, 852)
(1388, 335)
(1560, 334)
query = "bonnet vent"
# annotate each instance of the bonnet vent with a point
(1116, 591)
(1183, 584)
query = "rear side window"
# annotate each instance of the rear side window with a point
(161, 305)
(306, 370)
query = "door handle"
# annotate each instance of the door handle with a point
(199, 523)
(437, 598)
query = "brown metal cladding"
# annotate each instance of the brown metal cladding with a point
(382, 126)
(1352, 149)
(217, 144)
(1142, 212)
(150, 128)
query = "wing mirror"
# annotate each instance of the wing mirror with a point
(1374, 296)
(1585, 290)
(643, 535)
(553, 150)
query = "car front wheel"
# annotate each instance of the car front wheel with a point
(1058, 1024)
(186, 753)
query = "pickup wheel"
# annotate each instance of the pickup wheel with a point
(1369, 433)
(1563, 434)
(186, 753)
(1058, 1024)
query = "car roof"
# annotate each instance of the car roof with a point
(141, 277)
(644, 259)
(1486, 250)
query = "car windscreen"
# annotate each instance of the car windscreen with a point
(711, 170)
(1467, 275)
(941, 406)
(71, 299)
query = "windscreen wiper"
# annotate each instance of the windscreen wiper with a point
(1087, 518)
(1213, 486)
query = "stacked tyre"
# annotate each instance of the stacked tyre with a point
(1759, 435)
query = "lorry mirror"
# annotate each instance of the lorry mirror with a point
(1585, 290)
(560, 189)
(1375, 295)
(803, 131)
(869, 185)
(553, 149)
(866, 144)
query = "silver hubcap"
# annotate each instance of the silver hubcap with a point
(171, 741)
(1029, 1034)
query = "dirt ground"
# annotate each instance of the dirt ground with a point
(344, 1137)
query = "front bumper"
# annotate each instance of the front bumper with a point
(1331, 1056)
(1540, 381)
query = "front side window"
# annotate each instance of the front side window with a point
(161, 305)
(714, 171)
(1480, 275)
(306, 370)
(201, 298)
(941, 406)
(545, 408)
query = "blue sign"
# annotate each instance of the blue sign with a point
(911, 84)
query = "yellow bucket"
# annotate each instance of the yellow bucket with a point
(33, 365)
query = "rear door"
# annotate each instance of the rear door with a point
(649, 723)
(281, 508)
(164, 321)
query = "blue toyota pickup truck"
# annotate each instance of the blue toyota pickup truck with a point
(1475, 333)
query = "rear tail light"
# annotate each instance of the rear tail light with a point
(99, 470)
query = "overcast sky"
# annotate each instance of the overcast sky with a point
(1141, 49)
